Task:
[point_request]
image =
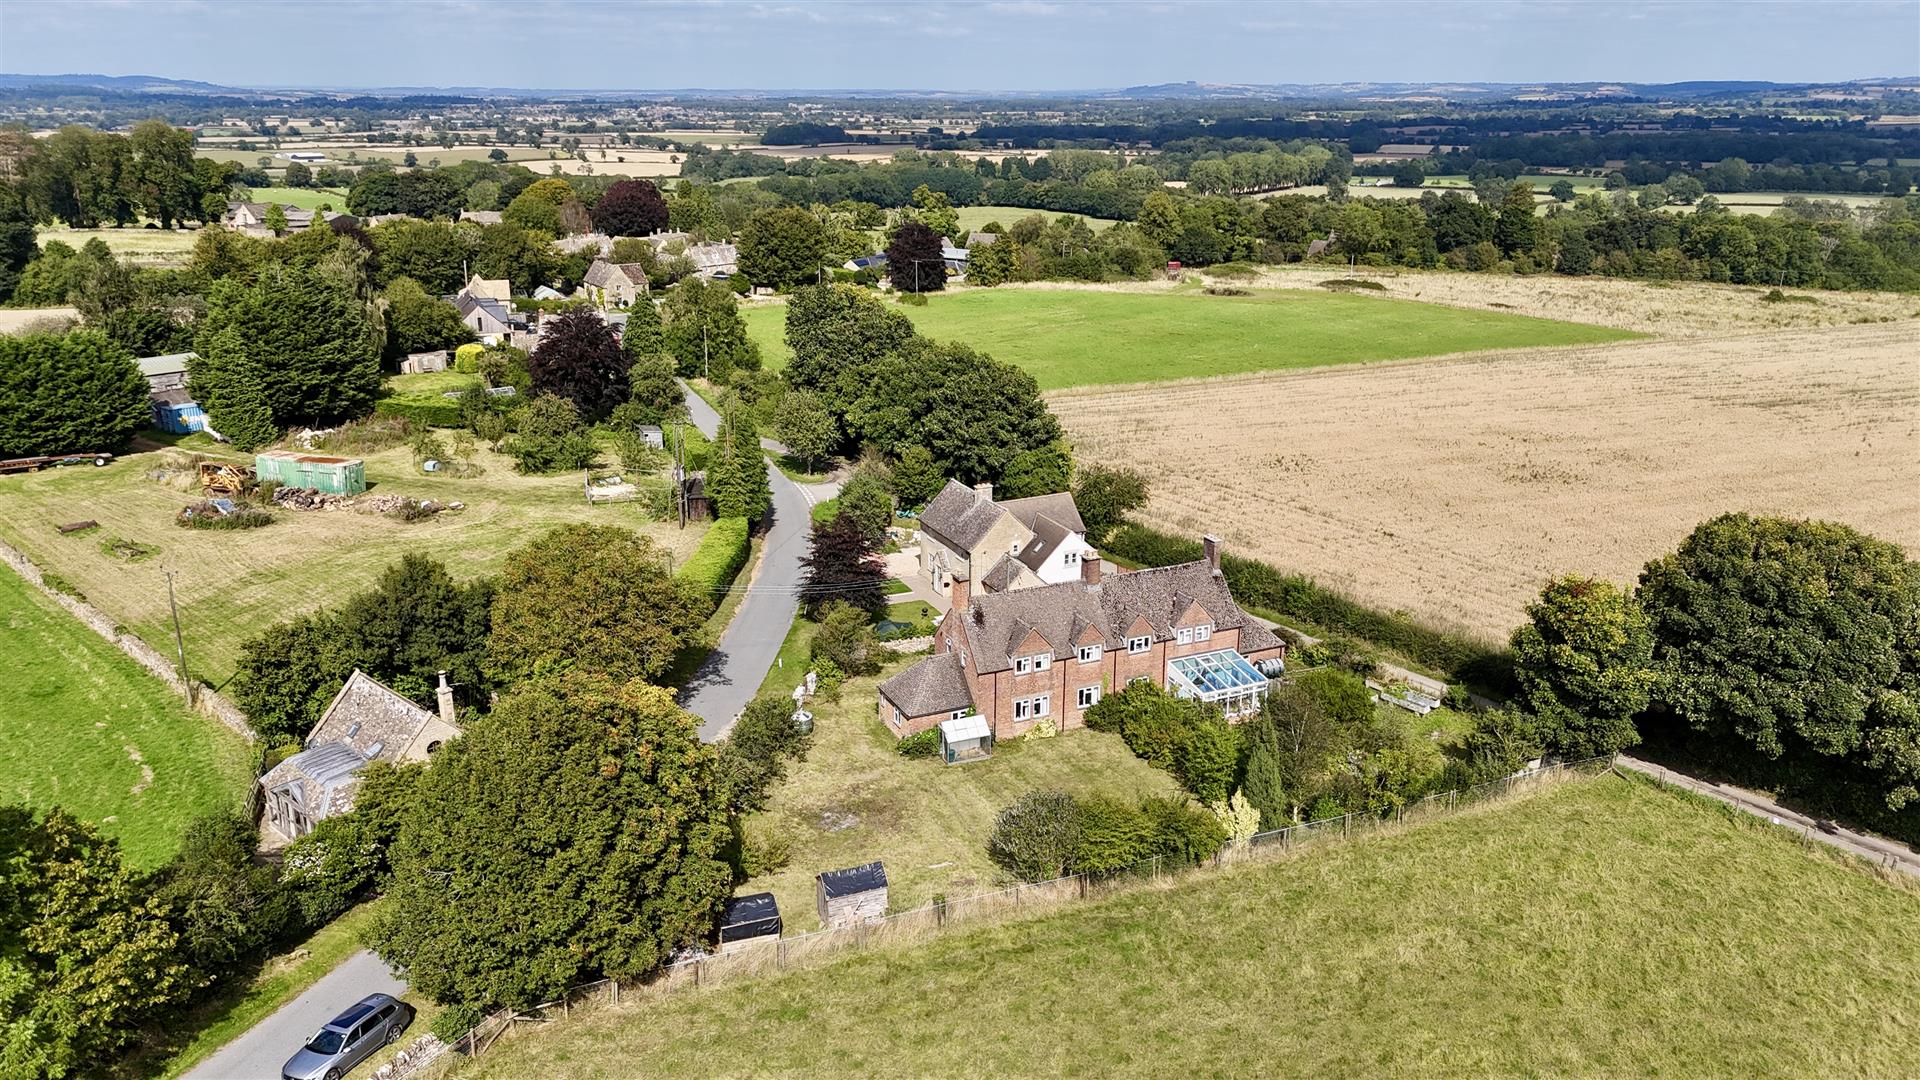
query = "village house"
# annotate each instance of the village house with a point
(1017, 544)
(714, 262)
(611, 284)
(496, 289)
(1018, 658)
(366, 721)
(250, 218)
(481, 217)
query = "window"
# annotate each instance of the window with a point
(1203, 632)
(1022, 709)
(1088, 696)
(1139, 645)
(1043, 705)
(1032, 708)
(1184, 635)
(1072, 558)
(1043, 661)
(958, 714)
(1036, 662)
(1089, 654)
(1022, 665)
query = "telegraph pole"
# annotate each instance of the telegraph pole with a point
(179, 642)
(706, 372)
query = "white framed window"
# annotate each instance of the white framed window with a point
(1032, 708)
(1043, 661)
(1088, 696)
(1184, 635)
(1043, 705)
(1022, 708)
(1138, 679)
(1072, 558)
(1203, 632)
(896, 716)
(1089, 654)
(959, 714)
(1139, 645)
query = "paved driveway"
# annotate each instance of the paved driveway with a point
(259, 1053)
(734, 670)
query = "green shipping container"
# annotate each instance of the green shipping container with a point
(333, 475)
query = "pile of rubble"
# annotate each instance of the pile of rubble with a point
(294, 498)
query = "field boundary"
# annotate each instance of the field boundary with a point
(206, 701)
(916, 925)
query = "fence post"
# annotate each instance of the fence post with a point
(780, 954)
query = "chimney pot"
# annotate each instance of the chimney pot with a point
(984, 490)
(445, 695)
(1211, 544)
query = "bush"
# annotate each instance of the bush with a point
(466, 358)
(846, 639)
(203, 515)
(455, 1021)
(1208, 760)
(922, 744)
(1037, 837)
(718, 559)
(1113, 836)
(1183, 834)
(367, 435)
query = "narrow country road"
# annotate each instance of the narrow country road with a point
(733, 671)
(1871, 848)
(258, 1054)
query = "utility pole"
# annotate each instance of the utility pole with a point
(179, 642)
(680, 470)
(706, 372)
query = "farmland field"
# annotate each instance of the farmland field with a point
(232, 584)
(303, 198)
(1598, 928)
(144, 246)
(85, 727)
(1451, 489)
(977, 217)
(1067, 337)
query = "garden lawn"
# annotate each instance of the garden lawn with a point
(974, 218)
(854, 799)
(84, 727)
(1080, 337)
(234, 584)
(303, 198)
(1598, 928)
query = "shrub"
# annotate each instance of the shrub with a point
(367, 435)
(1037, 837)
(1183, 834)
(1113, 836)
(718, 559)
(923, 744)
(1208, 759)
(455, 1021)
(203, 515)
(764, 851)
(846, 639)
(466, 358)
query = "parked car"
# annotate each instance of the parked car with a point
(347, 1039)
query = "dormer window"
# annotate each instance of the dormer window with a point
(1203, 632)
(1139, 644)
(1184, 635)
(1089, 654)
(1037, 662)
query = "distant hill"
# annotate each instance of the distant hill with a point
(123, 83)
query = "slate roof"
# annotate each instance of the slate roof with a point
(977, 239)
(1003, 576)
(373, 719)
(996, 623)
(713, 258)
(934, 685)
(603, 274)
(499, 289)
(1059, 506)
(959, 516)
(1048, 536)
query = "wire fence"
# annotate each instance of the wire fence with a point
(769, 956)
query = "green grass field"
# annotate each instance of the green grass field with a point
(854, 799)
(144, 246)
(234, 584)
(978, 217)
(1598, 928)
(1080, 337)
(303, 198)
(84, 727)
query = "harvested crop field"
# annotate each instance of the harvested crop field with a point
(1452, 488)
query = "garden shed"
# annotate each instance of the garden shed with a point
(749, 920)
(852, 896)
(290, 468)
(965, 738)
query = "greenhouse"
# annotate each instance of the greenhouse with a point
(1222, 677)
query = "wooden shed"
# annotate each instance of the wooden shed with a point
(321, 472)
(749, 920)
(852, 896)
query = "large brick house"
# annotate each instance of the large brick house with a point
(1050, 652)
(1001, 546)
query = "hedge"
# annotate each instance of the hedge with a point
(1256, 584)
(440, 414)
(718, 559)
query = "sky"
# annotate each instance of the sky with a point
(1004, 46)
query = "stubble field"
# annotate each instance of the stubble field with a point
(1452, 488)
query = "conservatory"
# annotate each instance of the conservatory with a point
(1222, 677)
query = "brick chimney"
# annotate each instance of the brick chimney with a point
(960, 591)
(984, 491)
(1211, 545)
(1090, 567)
(445, 695)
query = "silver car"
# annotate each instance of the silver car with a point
(373, 1022)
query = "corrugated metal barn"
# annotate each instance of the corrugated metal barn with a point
(333, 475)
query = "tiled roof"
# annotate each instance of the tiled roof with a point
(1048, 536)
(371, 718)
(1059, 506)
(1003, 576)
(934, 685)
(995, 623)
(320, 780)
(959, 515)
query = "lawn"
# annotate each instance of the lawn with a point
(854, 799)
(1598, 928)
(142, 245)
(1081, 337)
(84, 727)
(232, 585)
(303, 198)
(978, 217)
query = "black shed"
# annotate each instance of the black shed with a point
(851, 896)
(746, 919)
